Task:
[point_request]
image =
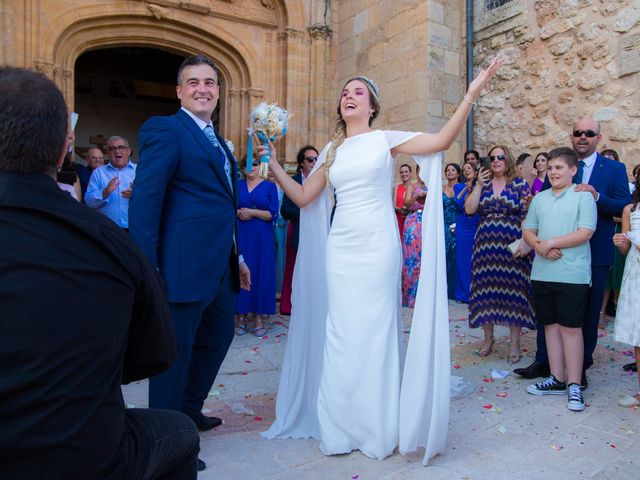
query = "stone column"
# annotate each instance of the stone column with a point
(321, 126)
(297, 92)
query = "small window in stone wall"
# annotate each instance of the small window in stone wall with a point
(491, 4)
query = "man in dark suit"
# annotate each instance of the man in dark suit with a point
(183, 216)
(607, 181)
(63, 356)
(306, 159)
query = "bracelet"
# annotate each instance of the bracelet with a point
(469, 101)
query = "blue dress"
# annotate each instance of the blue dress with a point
(257, 246)
(449, 209)
(466, 226)
(500, 285)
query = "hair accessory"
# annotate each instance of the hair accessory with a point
(371, 83)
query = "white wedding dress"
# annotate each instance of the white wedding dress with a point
(342, 373)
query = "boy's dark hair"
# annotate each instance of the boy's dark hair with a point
(33, 121)
(522, 157)
(196, 60)
(472, 152)
(568, 155)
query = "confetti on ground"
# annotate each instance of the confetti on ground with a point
(355, 477)
(214, 393)
(248, 361)
(557, 448)
(206, 410)
(265, 337)
(502, 429)
(244, 373)
(457, 366)
(487, 380)
(502, 394)
(488, 407)
(499, 373)
(258, 419)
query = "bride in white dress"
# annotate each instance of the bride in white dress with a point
(342, 380)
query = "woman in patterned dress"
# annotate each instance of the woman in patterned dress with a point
(500, 285)
(414, 199)
(451, 175)
(398, 195)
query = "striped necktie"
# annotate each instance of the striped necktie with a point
(208, 131)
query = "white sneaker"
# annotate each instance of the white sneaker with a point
(575, 402)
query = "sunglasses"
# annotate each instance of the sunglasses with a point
(493, 158)
(311, 159)
(255, 164)
(586, 133)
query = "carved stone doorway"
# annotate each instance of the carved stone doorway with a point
(117, 89)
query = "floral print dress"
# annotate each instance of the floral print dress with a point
(412, 249)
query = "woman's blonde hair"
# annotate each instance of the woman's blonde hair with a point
(510, 165)
(341, 127)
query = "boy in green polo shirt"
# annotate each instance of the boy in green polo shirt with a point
(558, 227)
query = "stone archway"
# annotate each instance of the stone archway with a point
(97, 33)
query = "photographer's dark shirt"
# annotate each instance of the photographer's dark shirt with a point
(81, 311)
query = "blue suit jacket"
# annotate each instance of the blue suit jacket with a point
(609, 178)
(182, 211)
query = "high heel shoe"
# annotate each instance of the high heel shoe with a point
(515, 357)
(487, 348)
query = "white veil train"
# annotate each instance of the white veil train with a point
(425, 390)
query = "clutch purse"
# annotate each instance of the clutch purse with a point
(513, 246)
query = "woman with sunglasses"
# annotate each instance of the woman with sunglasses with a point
(306, 159)
(500, 285)
(540, 171)
(257, 212)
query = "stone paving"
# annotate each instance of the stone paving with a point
(497, 430)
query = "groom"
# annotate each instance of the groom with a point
(183, 216)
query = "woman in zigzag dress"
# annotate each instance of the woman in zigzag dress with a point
(500, 285)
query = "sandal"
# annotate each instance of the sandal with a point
(241, 330)
(259, 331)
(486, 348)
(515, 357)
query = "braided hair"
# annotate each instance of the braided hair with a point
(341, 127)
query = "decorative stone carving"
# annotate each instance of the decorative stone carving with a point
(157, 11)
(291, 33)
(320, 31)
(255, 92)
(48, 69)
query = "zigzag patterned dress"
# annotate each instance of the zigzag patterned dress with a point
(500, 285)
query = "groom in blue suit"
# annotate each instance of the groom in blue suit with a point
(607, 181)
(183, 216)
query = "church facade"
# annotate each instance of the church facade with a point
(115, 61)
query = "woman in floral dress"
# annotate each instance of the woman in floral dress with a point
(414, 199)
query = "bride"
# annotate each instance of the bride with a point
(342, 380)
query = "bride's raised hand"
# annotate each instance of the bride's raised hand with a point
(483, 78)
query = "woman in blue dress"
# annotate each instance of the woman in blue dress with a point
(451, 174)
(466, 226)
(257, 211)
(500, 285)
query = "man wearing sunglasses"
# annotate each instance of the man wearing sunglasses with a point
(606, 180)
(306, 159)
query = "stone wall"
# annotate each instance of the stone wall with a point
(564, 59)
(413, 49)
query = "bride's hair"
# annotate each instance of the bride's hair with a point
(341, 126)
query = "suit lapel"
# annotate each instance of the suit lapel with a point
(213, 154)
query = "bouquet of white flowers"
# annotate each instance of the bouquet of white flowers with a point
(268, 123)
